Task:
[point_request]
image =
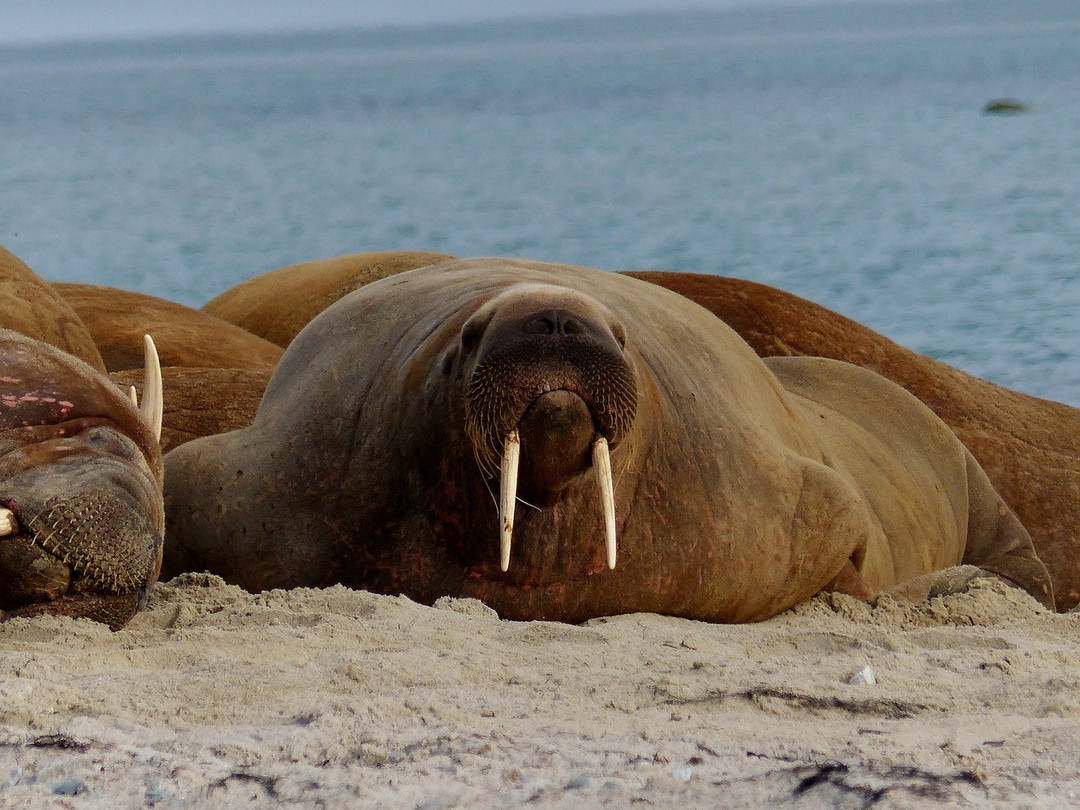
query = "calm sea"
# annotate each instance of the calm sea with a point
(840, 152)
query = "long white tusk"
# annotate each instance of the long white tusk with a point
(8, 524)
(153, 404)
(134, 395)
(602, 462)
(508, 495)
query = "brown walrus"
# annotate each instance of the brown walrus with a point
(277, 304)
(81, 515)
(185, 337)
(32, 308)
(1029, 447)
(644, 458)
(204, 401)
(214, 374)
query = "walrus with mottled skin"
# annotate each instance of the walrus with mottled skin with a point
(564, 443)
(81, 513)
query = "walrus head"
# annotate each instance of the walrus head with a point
(549, 393)
(81, 515)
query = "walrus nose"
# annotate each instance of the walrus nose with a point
(555, 322)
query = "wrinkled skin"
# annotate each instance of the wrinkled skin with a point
(373, 460)
(83, 475)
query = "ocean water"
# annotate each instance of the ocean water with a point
(839, 152)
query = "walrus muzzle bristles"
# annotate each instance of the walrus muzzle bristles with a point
(508, 476)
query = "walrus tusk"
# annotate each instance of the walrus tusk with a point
(8, 524)
(152, 405)
(508, 495)
(602, 462)
(134, 395)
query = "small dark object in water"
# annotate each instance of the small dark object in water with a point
(1005, 106)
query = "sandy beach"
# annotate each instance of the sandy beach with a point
(213, 697)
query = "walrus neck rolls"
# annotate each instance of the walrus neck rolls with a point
(549, 393)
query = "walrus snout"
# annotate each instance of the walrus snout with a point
(96, 547)
(536, 339)
(550, 392)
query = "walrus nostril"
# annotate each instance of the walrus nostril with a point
(541, 325)
(555, 322)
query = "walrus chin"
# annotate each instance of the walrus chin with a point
(151, 411)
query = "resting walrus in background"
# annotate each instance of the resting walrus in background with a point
(185, 337)
(563, 443)
(214, 372)
(1029, 447)
(81, 517)
(277, 304)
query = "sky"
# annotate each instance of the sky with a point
(33, 21)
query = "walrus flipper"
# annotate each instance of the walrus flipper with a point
(998, 543)
(943, 523)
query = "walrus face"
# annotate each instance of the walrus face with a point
(81, 515)
(549, 392)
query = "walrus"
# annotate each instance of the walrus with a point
(81, 512)
(203, 401)
(29, 306)
(185, 337)
(1029, 447)
(564, 443)
(275, 305)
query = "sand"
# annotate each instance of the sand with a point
(213, 697)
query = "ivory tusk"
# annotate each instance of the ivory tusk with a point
(508, 495)
(152, 405)
(602, 462)
(134, 395)
(8, 524)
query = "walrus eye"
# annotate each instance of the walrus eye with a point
(448, 361)
(619, 333)
(106, 440)
(471, 333)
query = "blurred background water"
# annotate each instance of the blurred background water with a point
(838, 151)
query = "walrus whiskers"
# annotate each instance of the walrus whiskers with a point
(508, 495)
(153, 404)
(602, 462)
(8, 524)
